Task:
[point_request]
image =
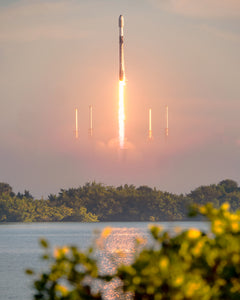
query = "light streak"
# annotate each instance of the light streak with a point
(121, 115)
(76, 123)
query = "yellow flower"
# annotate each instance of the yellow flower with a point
(234, 217)
(65, 250)
(141, 241)
(62, 289)
(192, 287)
(159, 227)
(225, 206)
(178, 281)
(217, 223)
(58, 252)
(164, 262)
(197, 249)
(217, 226)
(235, 226)
(106, 232)
(193, 233)
(202, 209)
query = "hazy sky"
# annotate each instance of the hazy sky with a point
(58, 55)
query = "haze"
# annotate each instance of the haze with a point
(58, 55)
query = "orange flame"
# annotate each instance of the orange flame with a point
(121, 115)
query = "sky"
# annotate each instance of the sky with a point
(56, 56)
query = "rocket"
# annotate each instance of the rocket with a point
(121, 54)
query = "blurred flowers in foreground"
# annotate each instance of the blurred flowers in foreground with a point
(189, 265)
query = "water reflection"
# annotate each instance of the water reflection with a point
(118, 246)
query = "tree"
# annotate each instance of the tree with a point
(5, 188)
(81, 215)
(229, 185)
(26, 195)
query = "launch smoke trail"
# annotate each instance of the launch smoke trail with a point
(121, 115)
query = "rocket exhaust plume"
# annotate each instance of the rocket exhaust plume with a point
(121, 112)
(76, 123)
(121, 115)
(150, 124)
(90, 130)
(166, 128)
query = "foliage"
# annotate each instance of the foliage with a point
(14, 209)
(70, 268)
(189, 265)
(5, 188)
(96, 202)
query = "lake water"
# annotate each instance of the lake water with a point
(20, 250)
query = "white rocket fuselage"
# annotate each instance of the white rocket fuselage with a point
(121, 53)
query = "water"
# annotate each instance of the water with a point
(19, 247)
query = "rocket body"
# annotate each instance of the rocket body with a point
(121, 52)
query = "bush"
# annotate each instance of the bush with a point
(189, 265)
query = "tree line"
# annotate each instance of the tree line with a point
(95, 202)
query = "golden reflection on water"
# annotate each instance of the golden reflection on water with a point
(118, 246)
